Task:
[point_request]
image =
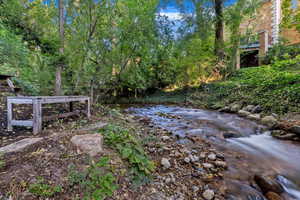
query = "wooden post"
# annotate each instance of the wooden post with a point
(9, 115)
(71, 106)
(88, 112)
(37, 116)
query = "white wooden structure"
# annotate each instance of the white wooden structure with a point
(37, 102)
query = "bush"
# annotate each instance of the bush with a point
(282, 51)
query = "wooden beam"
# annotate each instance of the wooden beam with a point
(22, 123)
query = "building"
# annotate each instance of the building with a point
(266, 27)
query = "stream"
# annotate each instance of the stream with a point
(258, 152)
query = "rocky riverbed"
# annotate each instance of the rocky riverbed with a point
(254, 160)
(198, 154)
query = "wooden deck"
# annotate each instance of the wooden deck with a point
(37, 102)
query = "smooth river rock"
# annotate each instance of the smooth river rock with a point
(249, 108)
(273, 196)
(269, 121)
(91, 144)
(208, 194)
(165, 163)
(266, 184)
(19, 145)
(243, 113)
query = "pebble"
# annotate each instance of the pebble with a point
(202, 155)
(187, 160)
(194, 158)
(195, 189)
(165, 138)
(221, 164)
(207, 165)
(208, 194)
(165, 163)
(212, 156)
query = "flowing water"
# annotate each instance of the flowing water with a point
(262, 153)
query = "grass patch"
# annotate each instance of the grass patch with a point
(41, 189)
(275, 87)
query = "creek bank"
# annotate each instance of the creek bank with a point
(280, 128)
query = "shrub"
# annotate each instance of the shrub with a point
(131, 150)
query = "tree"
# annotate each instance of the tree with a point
(219, 30)
(58, 82)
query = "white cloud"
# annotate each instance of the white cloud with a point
(171, 15)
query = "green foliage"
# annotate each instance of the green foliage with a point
(290, 15)
(131, 150)
(96, 182)
(275, 87)
(282, 51)
(41, 189)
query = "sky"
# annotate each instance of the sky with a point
(171, 9)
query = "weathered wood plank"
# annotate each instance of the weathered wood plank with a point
(9, 115)
(37, 116)
(22, 123)
(20, 101)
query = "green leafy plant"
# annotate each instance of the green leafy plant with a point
(42, 189)
(97, 181)
(130, 150)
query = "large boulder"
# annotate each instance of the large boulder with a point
(269, 121)
(20, 145)
(91, 144)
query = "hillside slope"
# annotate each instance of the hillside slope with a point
(275, 87)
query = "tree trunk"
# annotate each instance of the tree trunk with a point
(219, 40)
(58, 90)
